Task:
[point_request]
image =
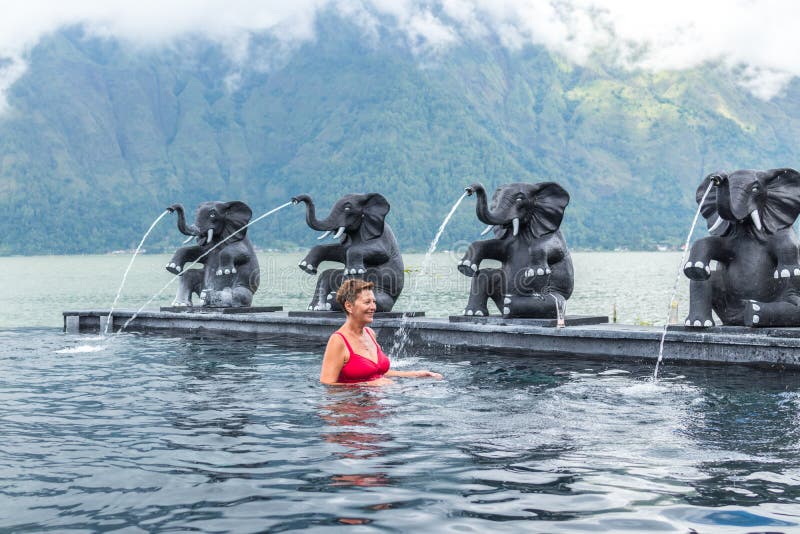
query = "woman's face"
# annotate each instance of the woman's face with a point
(363, 307)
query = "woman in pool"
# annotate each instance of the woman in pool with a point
(353, 355)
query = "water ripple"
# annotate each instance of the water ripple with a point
(160, 433)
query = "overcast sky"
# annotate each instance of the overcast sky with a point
(757, 35)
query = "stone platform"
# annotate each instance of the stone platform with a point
(340, 314)
(200, 309)
(770, 347)
(569, 320)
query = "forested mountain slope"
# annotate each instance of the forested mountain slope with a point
(101, 136)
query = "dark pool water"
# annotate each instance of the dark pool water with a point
(208, 434)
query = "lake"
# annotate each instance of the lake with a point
(38, 289)
(151, 433)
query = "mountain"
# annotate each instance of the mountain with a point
(101, 136)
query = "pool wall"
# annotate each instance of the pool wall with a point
(769, 347)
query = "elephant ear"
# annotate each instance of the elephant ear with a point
(375, 209)
(782, 205)
(549, 202)
(709, 206)
(237, 214)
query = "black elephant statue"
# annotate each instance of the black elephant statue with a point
(367, 248)
(748, 269)
(536, 275)
(230, 273)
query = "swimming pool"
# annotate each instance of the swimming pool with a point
(153, 433)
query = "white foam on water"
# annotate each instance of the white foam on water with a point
(81, 349)
(740, 491)
(643, 389)
(623, 383)
(790, 396)
(86, 337)
(776, 478)
(405, 361)
(611, 372)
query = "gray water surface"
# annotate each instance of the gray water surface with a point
(155, 433)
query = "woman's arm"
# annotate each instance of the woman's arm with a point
(414, 374)
(333, 361)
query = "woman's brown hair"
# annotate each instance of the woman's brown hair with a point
(349, 290)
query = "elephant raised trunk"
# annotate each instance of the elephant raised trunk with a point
(485, 215)
(191, 229)
(311, 216)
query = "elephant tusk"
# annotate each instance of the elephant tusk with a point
(716, 224)
(339, 232)
(515, 224)
(487, 229)
(210, 236)
(323, 236)
(756, 219)
(188, 239)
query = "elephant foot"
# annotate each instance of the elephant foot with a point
(696, 320)
(538, 306)
(318, 305)
(217, 299)
(466, 267)
(181, 304)
(537, 271)
(476, 312)
(174, 268)
(763, 314)
(307, 267)
(354, 271)
(697, 270)
(753, 313)
(786, 271)
(226, 270)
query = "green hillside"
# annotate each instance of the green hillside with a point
(101, 137)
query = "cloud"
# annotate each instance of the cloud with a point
(148, 23)
(754, 37)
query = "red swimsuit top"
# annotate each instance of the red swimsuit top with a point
(361, 369)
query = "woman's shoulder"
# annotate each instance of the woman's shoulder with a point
(337, 337)
(337, 344)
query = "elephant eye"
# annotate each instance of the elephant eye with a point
(755, 189)
(347, 208)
